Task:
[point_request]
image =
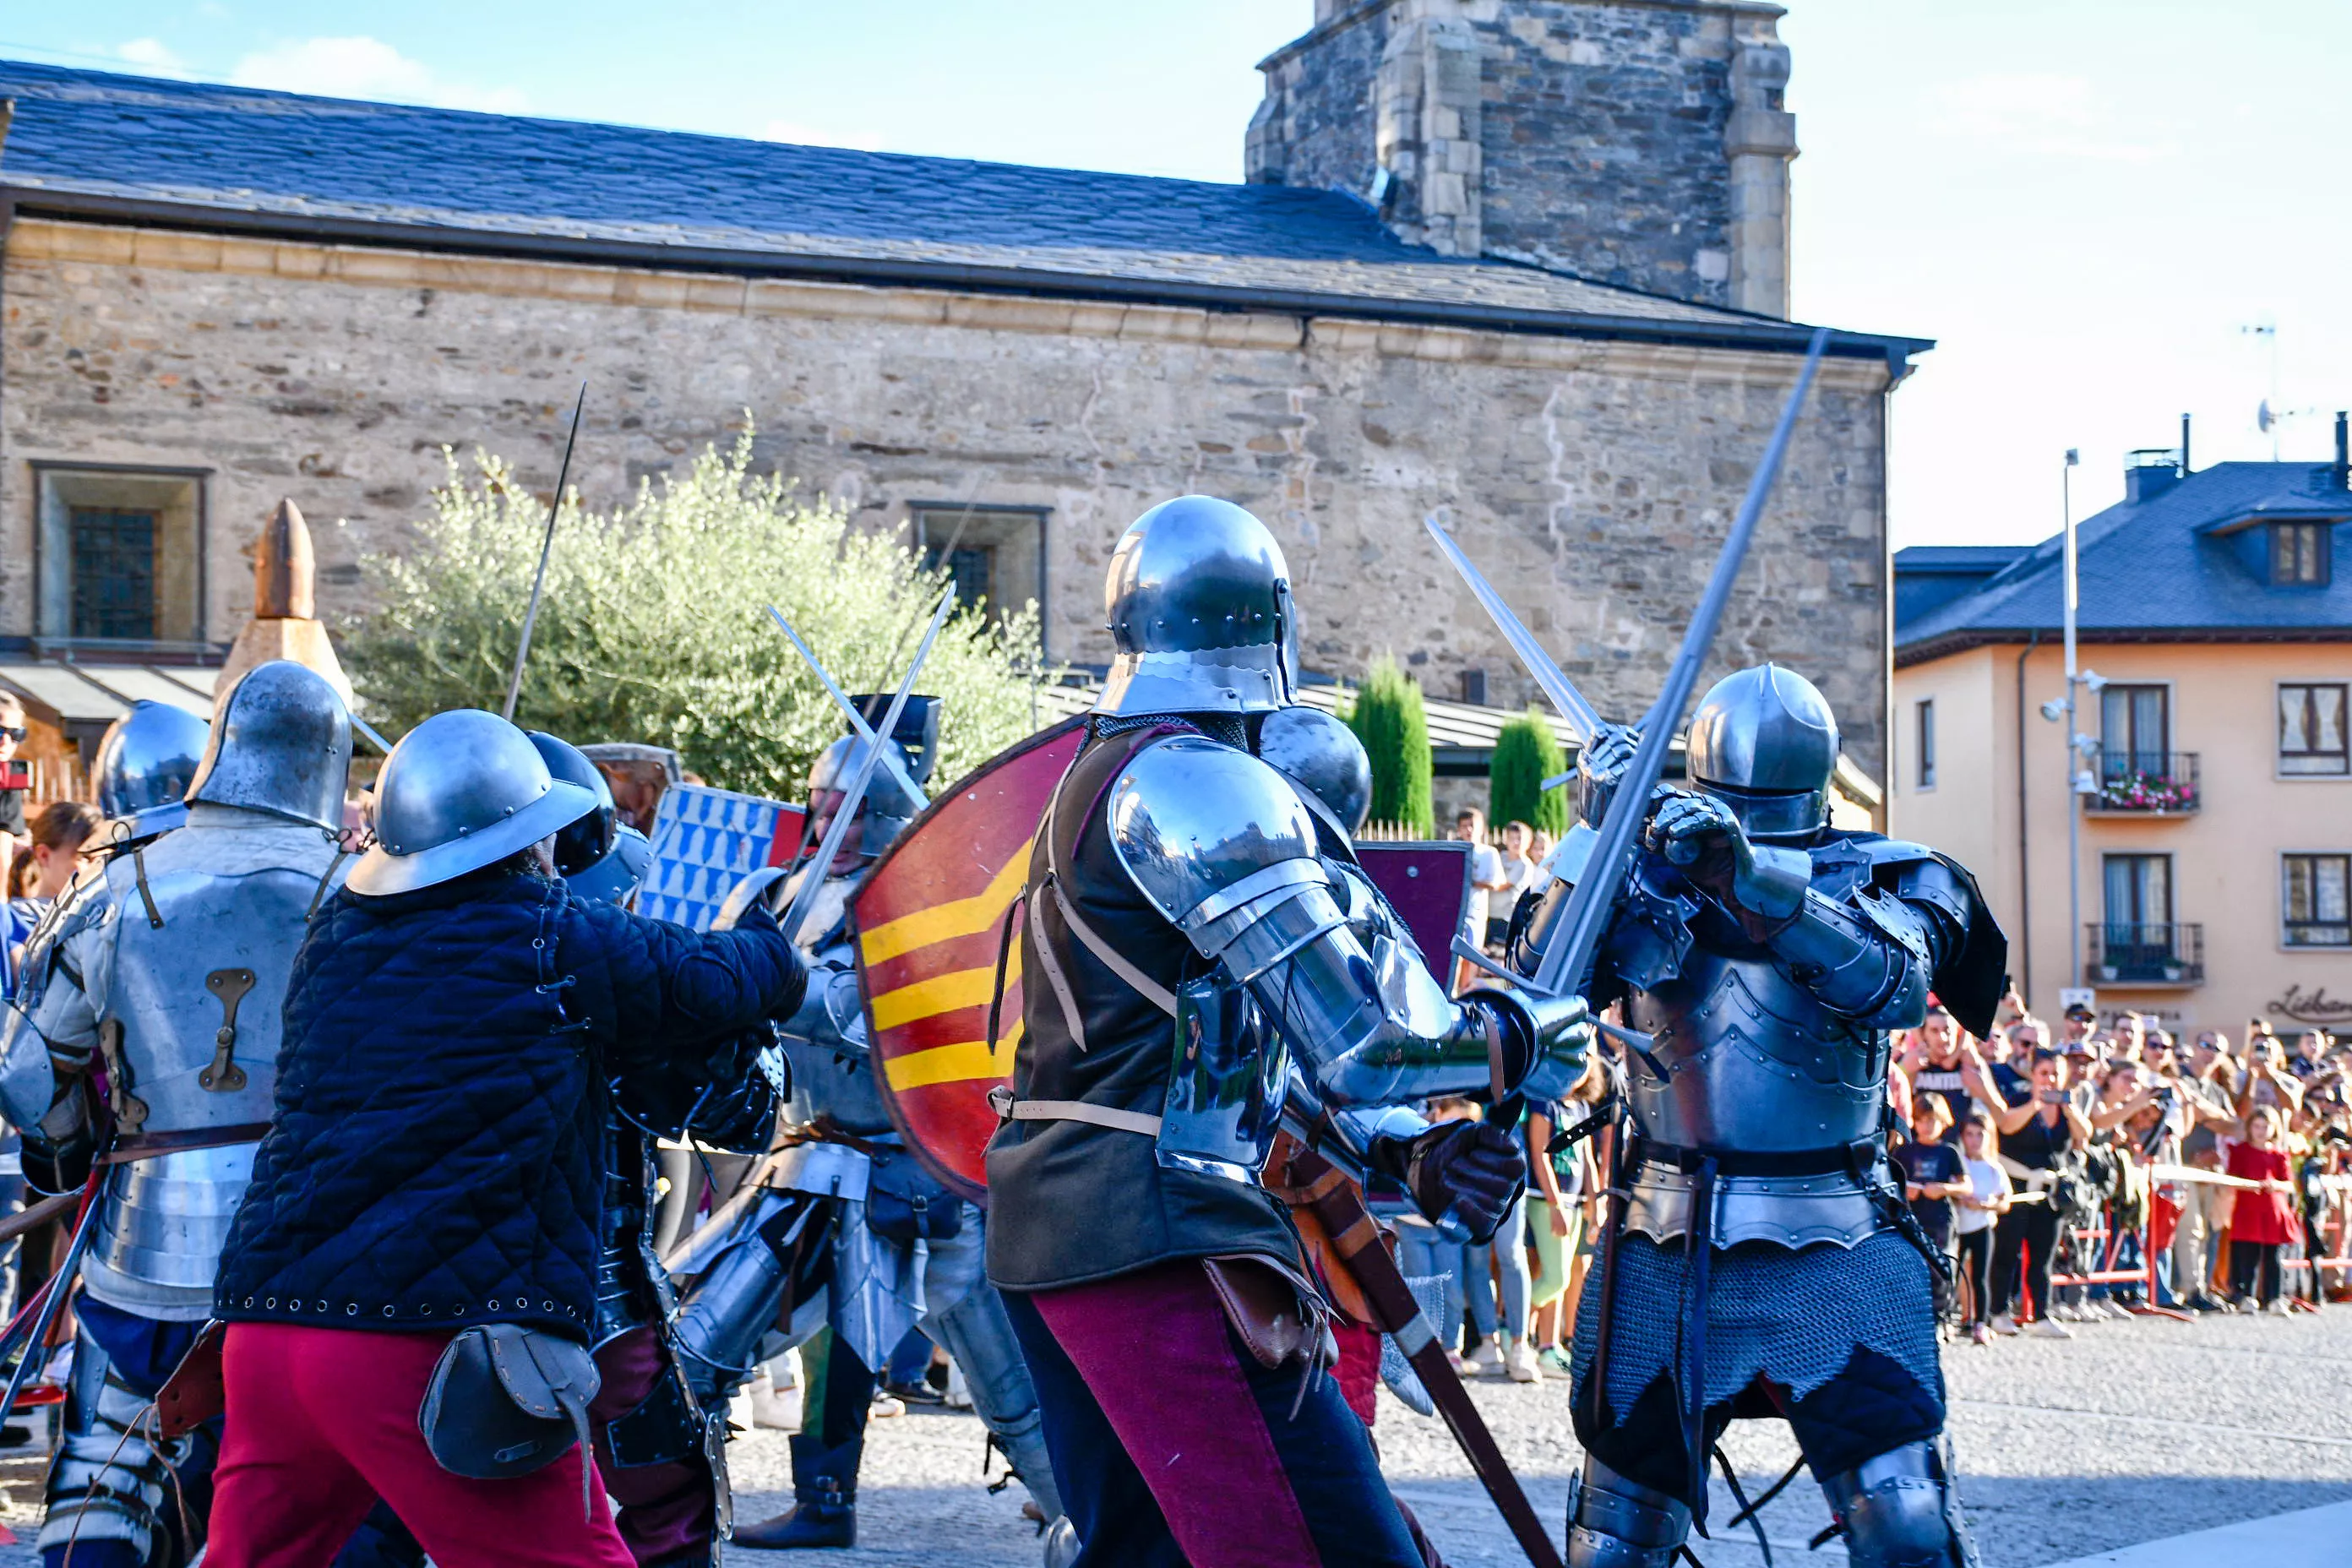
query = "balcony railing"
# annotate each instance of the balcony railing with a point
(2123, 954)
(2144, 783)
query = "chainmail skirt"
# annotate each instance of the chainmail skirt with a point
(1794, 1318)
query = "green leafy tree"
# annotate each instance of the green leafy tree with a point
(1525, 753)
(1388, 718)
(655, 626)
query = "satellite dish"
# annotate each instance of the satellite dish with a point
(2264, 417)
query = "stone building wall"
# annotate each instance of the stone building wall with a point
(1637, 143)
(1593, 480)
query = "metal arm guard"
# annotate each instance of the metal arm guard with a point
(1616, 1522)
(1867, 959)
(1224, 848)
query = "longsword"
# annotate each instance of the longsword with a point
(1574, 940)
(857, 724)
(546, 549)
(1550, 677)
(836, 832)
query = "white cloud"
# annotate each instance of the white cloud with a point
(2047, 115)
(151, 54)
(815, 136)
(363, 68)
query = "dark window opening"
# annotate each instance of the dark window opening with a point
(1473, 688)
(113, 573)
(1927, 744)
(119, 557)
(2315, 900)
(995, 556)
(2299, 554)
(2134, 732)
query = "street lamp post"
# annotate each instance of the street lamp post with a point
(2074, 735)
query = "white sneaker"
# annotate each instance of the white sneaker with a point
(2061, 1312)
(2004, 1324)
(2278, 1307)
(2047, 1329)
(1482, 1359)
(1519, 1363)
(776, 1410)
(886, 1407)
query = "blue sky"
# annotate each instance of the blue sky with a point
(2086, 202)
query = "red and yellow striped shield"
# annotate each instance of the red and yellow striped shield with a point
(929, 921)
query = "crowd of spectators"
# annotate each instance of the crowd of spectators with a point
(2081, 1175)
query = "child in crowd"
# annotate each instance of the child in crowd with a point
(1932, 1177)
(2260, 1222)
(1986, 1200)
(40, 875)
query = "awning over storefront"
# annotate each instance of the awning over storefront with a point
(72, 695)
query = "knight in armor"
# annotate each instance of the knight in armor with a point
(414, 1269)
(659, 1454)
(1201, 960)
(145, 762)
(840, 1200)
(1764, 1263)
(166, 973)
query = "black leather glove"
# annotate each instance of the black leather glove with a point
(1469, 1169)
(1699, 836)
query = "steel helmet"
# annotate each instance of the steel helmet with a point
(1199, 609)
(462, 790)
(589, 839)
(145, 762)
(1765, 743)
(280, 742)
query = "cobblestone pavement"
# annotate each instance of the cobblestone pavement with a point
(2131, 1432)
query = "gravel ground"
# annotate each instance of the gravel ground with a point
(2131, 1432)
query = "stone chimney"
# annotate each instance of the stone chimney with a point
(1639, 143)
(285, 616)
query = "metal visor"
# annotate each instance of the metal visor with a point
(1774, 816)
(929, 921)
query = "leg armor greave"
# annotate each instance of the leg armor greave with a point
(733, 1302)
(1615, 1522)
(1901, 1510)
(109, 1482)
(978, 1334)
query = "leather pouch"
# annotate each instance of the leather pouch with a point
(506, 1400)
(198, 1389)
(1274, 1312)
(905, 1204)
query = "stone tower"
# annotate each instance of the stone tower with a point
(1637, 143)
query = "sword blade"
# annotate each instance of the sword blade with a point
(1554, 680)
(837, 831)
(546, 549)
(1589, 906)
(857, 724)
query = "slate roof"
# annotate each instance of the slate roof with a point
(2170, 568)
(97, 144)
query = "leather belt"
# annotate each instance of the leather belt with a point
(1753, 1162)
(152, 1145)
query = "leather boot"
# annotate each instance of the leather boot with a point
(824, 1507)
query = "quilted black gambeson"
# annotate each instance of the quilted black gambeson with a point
(434, 1160)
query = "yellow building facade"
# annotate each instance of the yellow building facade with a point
(2215, 790)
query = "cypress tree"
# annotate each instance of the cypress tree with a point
(1388, 718)
(1527, 754)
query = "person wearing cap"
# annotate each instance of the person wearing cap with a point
(454, 1024)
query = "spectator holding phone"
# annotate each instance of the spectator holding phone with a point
(2035, 1131)
(1978, 1210)
(2260, 1222)
(2268, 1083)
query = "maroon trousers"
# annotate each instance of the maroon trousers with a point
(322, 1422)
